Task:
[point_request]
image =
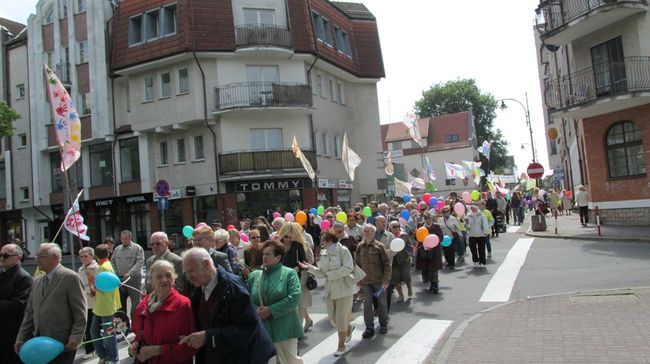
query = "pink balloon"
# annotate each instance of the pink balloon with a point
(441, 204)
(459, 209)
(466, 197)
(289, 217)
(200, 225)
(431, 241)
(325, 225)
(243, 237)
(276, 215)
(402, 221)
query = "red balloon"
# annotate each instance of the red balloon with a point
(230, 227)
(426, 197)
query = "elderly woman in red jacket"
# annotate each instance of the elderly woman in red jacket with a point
(160, 319)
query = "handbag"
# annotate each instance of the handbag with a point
(356, 276)
(311, 282)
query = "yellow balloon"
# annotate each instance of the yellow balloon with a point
(421, 233)
(342, 217)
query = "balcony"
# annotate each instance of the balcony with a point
(249, 162)
(262, 95)
(559, 22)
(263, 35)
(602, 88)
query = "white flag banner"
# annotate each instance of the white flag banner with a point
(454, 170)
(389, 165)
(74, 222)
(416, 182)
(402, 188)
(411, 123)
(351, 160)
(485, 149)
(305, 163)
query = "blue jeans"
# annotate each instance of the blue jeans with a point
(461, 247)
(487, 243)
(107, 348)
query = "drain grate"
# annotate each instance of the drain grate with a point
(607, 297)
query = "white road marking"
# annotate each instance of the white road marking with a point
(500, 286)
(513, 229)
(416, 344)
(323, 353)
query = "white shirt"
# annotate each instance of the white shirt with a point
(208, 288)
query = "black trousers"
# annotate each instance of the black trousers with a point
(584, 214)
(477, 247)
(450, 253)
(8, 356)
(89, 347)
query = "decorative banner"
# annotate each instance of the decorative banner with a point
(402, 188)
(454, 170)
(411, 123)
(389, 165)
(415, 182)
(66, 120)
(472, 169)
(305, 163)
(351, 160)
(74, 222)
(485, 149)
(430, 173)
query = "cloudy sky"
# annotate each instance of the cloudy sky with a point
(425, 42)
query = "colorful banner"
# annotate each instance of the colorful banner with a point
(411, 123)
(485, 149)
(389, 165)
(74, 222)
(66, 121)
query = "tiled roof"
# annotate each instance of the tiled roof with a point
(13, 27)
(398, 131)
(354, 10)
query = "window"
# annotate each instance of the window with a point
(85, 104)
(49, 59)
(609, 69)
(169, 20)
(328, 32)
(50, 16)
(342, 93)
(81, 5)
(328, 145)
(262, 74)
(24, 193)
(323, 143)
(553, 146)
(165, 85)
(101, 164)
(75, 173)
(318, 26)
(164, 160)
(20, 91)
(259, 16)
(148, 88)
(342, 42)
(338, 146)
(180, 151)
(450, 182)
(135, 30)
(625, 150)
(64, 8)
(395, 145)
(451, 138)
(333, 89)
(151, 25)
(129, 160)
(318, 138)
(183, 83)
(266, 139)
(83, 52)
(22, 140)
(198, 148)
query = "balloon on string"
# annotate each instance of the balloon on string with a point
(406, 197)
(106, 281)
(568, 194)
(431, 241)
(301, 217)
(200, 225)
(313, 211)
(243, 237)
(276, 215)
(446, 241)
(459, 209)
(433, 202)
(421, 233)
(405, 214)
(402, 221)
(476, 195)
(289, 217)
(230, 227)
(466, 197)
(341, 217)
(426, 197)
(366, 211)
(320, 210)
(40, 350)
(397, 245)
(440, 205)
(187, 231)
(324, 225)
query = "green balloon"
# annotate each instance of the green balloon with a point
(366, 211)
(320, 210)
(476, 195)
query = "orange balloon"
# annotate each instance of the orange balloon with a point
(421, 233)
(301, 217)
(552, 133)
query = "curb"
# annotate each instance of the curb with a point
(585, 237)
(440, 356)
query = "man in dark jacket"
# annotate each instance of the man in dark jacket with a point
(15, 285)
(230, 330)
(429, 261)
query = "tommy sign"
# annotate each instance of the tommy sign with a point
(255, 186)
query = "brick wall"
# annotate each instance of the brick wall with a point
(48, 37)
(594, 131)
(63, 24)
(629, 217)
(83, 78)
(80, 27)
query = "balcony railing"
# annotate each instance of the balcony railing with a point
(553, 14)
(262, 94)
(261, 161)
(601, 80)
(263, 35)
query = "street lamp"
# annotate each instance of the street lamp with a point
(526, 110)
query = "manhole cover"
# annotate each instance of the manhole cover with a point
(611, 297)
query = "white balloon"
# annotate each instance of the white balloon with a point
(397, 245)
(541, 193)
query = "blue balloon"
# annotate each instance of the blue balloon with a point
(313, 211)
(406, 197)
(446, 241)
(40, 350)
(106, 281)
(405, 214)
(188, 231)
(433, 202)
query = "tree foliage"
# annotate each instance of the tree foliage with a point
(460, 96)
(7, 117)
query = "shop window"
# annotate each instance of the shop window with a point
(266, 139)
(101, 164)
(85, 104)
(198, 148)
(206, 209)
(625, 150)
(169, 20)
(451, 138)
(75, 173)
(129, 160)
(180, 151)
(135, 30)
(165, 84)
(173, 223)
(164, 159)
(183, 81)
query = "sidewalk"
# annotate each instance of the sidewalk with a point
(593, 327)
(569, 227)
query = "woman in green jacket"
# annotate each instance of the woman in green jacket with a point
(276, 290)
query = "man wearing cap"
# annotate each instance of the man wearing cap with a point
(476, 224)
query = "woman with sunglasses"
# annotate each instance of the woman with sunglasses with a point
(253, 253)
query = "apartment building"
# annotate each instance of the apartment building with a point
(595, 77)
(446, 138)
(210, 94)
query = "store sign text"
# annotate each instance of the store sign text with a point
(268, 186)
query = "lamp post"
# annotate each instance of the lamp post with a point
(526, 110)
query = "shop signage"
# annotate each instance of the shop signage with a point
(254, 186)
(138, 199)
(171, 195)
(104, 203)
(327, 183)
(346, 184)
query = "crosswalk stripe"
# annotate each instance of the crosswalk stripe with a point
(513, 229)
(323, 353)
(417, 343)
(500, 286)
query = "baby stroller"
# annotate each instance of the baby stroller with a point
(499, 221)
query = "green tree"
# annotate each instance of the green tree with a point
(463, 95)
(7, 116)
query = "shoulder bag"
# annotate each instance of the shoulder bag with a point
(311, 282)
(357, 273)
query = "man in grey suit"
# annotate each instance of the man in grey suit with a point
(160, 249)
(127, 261)
(56, 306)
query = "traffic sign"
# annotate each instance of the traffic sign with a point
(163, 203)
(535, 170)
(162, 188)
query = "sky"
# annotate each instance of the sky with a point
(426, 42)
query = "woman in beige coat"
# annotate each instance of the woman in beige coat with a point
(335, 265)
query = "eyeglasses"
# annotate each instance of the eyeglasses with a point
(254, 237)
(395, 227)
(329, 217)
(7, 256)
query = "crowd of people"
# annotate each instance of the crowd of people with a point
(244, 295)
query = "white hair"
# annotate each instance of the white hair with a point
(16, 249)
(221, 234)
(371, 227)
(279, 220)
(160, 234)
(197, 255)
(161, 264)
(52, 249)
(87, 250)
